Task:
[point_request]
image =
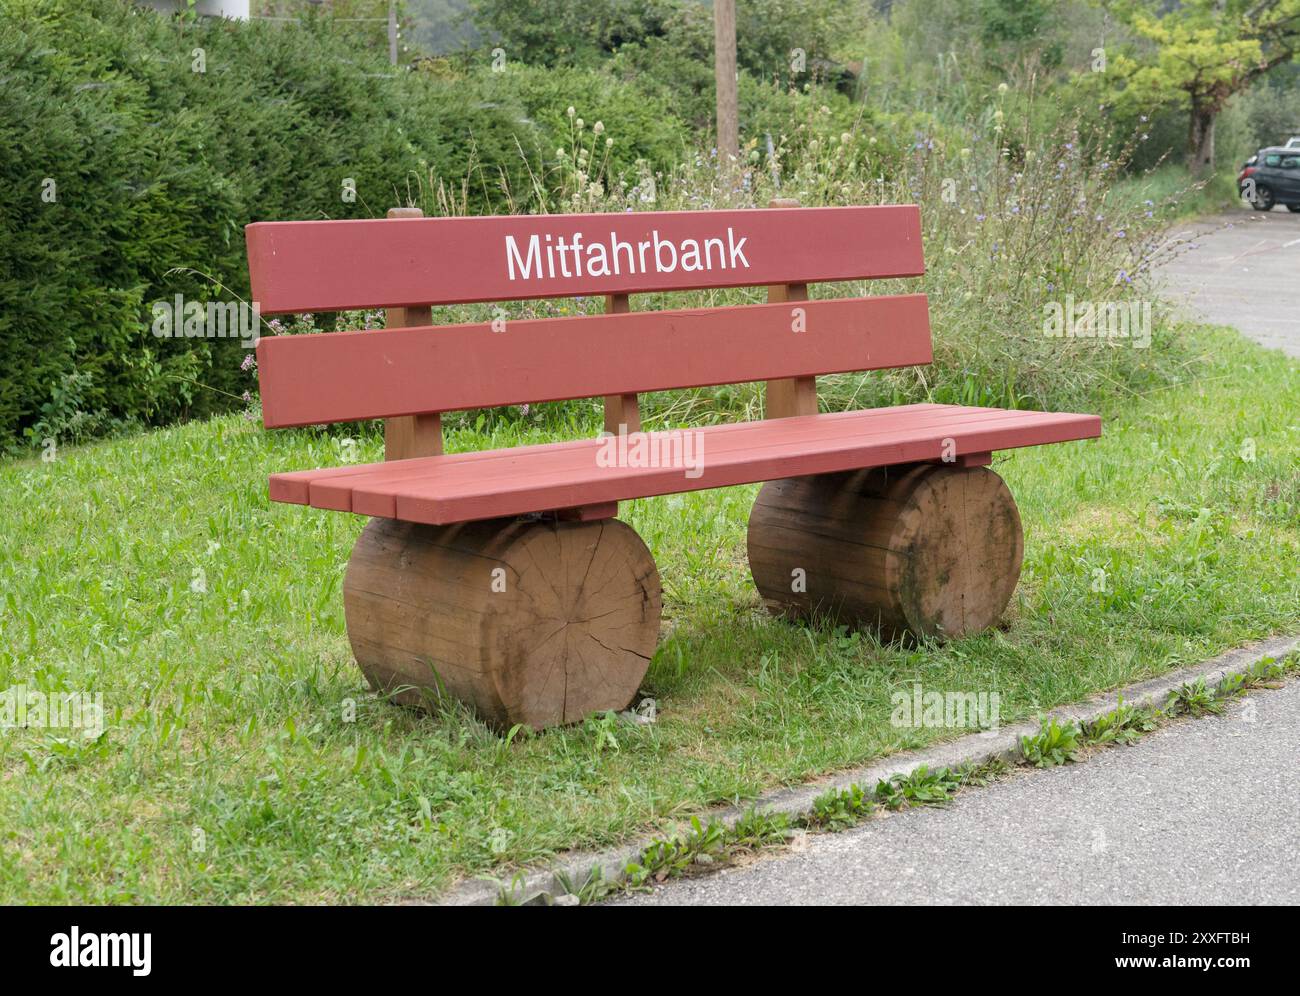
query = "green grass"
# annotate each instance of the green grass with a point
(1174, 195)
(230, 772)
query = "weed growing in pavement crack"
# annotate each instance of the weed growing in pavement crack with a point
(1122, 725)
(1195, 699)
(1055, 743)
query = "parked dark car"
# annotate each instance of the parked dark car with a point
(1272, 176)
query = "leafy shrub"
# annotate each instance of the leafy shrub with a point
(555, 33)
(639, 122)
(129, 177)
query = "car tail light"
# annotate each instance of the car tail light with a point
(1245, 173)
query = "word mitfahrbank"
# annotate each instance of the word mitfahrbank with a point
(548, 257)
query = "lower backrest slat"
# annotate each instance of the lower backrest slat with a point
(347, 376)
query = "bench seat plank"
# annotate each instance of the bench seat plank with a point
(325, 487)
(465, 487)
(332, 487)
(733, 439)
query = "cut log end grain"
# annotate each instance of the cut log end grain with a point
(929, 549)
(538, 622)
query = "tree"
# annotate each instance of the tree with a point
(569, 33)
(1207, 50)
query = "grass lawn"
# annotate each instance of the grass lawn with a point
(235, 767)
(1172, 187)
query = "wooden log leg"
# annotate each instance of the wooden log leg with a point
(533, 622)
(929, 549)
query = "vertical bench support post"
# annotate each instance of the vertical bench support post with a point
(620, 409)
(790, 395)
(410, 435)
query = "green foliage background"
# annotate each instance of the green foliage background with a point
(157, 168)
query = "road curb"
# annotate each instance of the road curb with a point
(975, 748)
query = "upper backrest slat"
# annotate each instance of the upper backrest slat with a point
(305, 266)
(345, 376)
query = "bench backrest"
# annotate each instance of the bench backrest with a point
(413, 263)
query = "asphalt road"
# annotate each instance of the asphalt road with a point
(1203, 811)
(1245, 272)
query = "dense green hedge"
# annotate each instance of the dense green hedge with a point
(156, 168)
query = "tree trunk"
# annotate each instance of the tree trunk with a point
(1200, 140)
(532, 622)
(930, 549)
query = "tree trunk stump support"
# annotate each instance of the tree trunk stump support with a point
(928, 549)
(539, 622)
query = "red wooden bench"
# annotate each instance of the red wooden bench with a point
(503, 577)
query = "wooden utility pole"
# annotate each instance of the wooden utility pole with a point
(392, 31)
(724, 64)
